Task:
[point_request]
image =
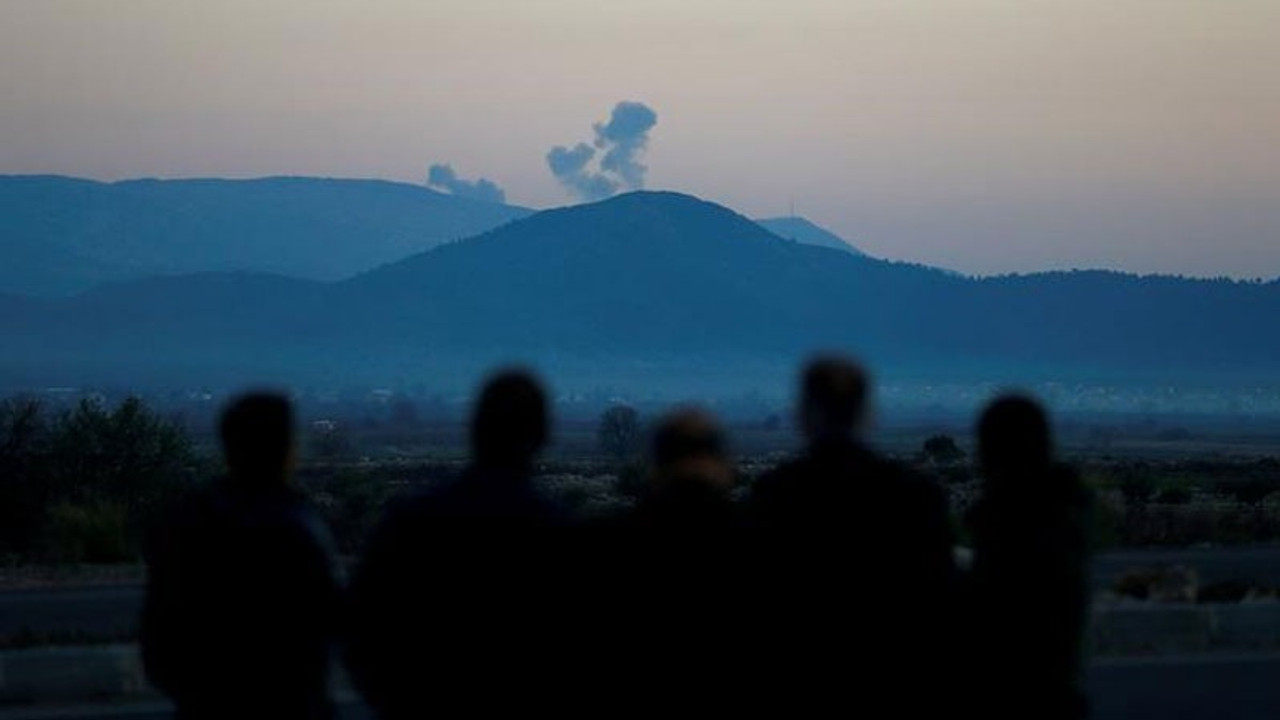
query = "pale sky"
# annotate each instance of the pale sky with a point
(981, 135)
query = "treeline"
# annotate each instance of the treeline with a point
(79, 484)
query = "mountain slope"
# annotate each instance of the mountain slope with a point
(641, 272)
(62, 235)
(802, 231)
(658, 285)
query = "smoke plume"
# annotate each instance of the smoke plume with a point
(444, 177)
(616, 150)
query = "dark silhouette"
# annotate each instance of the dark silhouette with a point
(1030, 531)
(690, 478)
(242, 589)
(459, 604)
(856, 562)
(672, 576)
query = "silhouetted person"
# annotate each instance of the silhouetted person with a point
(454, 607)
(690, 477)
(242, 589)
(1030, 531)
(858, 581)
(668, 581)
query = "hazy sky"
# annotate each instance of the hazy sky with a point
(981, 135)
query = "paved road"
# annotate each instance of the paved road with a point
(101, 611)
(1222, 688)
(113, 610)
(1190, 688)
(1212, 565)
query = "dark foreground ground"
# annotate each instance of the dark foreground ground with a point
(1243, 687)
(1222, 686)
(1169, 688)
(110, 612)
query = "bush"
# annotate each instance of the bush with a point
(942, 450)
(81, 484)
(24, 456)
(129, 455)
(1136, 486)
(633, 479)
(1108, 519)
(1175, 491)
(587, 496)
(329, 440)
(619, 431)
(96, 533)
(1249, 490)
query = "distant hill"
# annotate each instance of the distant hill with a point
(656, 288)
(802, 231)
(61, 235)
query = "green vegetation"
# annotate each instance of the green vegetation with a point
(1176, 503)
(79, 485)
(619, 432)
(941, 450)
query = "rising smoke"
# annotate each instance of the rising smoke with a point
(618, 144)
(444, 177)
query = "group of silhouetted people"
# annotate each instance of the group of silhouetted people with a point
(832, 588)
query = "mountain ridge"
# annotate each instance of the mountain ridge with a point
(662, 285)
(799, 229)
(66, 234)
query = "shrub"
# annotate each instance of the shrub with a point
(94, 533)
(1136, 486)
(329, 440)
(24, 487)
(633, 479)
(1108, 519)
(1251, 489)
(129, 455)
(589, 496)
(942, 450)
(1175, 491)
(81, 484)
(619, 431)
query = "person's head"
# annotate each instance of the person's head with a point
(689, 447)
(509, 424)
(833, 398)
(1013, 437)
(257, 438)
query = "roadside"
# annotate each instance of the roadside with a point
(62, 577)
(1220, 686)
(95, 605)
(67, 636)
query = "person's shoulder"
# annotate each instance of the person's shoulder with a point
(1072, 484)
(189, 513)
(411, 518)
(285, 507)
(280, 522)
(908, 484)
(307, 518)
